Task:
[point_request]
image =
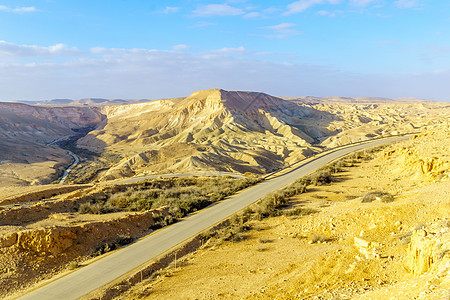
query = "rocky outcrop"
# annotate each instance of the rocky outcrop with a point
(429, 248)
(82, 238)
(42, 241)
(369, 249)
(423, 167)
(423, 159)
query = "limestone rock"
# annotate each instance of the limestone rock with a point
(53, 240)
(429, 248)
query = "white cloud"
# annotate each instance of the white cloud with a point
(24, 9)
(203, 24)
(280, 27)
(181, 47)
(271, 10)
(362, 3)
(14, 50)
(252, 15)
(240, 49)
(281, 30)
(211, 10)
(149, 73)
(170, 9)
(303, 5)
(331, 14)
(407, 3)
(18, 9)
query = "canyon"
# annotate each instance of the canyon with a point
(48, 228)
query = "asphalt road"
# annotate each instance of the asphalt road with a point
(105, 270)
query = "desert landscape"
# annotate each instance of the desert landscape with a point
(379, 230)
(372, 224)
(233, 149)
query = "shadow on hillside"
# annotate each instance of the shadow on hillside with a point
(307, 122)
(91, 162)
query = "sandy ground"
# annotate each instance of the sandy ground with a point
(280, 260)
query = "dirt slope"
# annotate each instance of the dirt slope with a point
(349, 249)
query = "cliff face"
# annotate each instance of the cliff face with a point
(424, 159)
(430, 248)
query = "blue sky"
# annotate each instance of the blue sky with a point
(159, 49)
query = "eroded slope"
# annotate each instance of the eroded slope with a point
(211, 129)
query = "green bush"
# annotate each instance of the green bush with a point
(73, 265)
(162, 221)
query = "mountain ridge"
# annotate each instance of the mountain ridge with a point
(215, 129)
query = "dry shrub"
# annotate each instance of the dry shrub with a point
(299, 211)
(321, 177)
(377, 195)
(319, 238)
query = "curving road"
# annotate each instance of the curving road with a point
(105, 270)
(76, 160)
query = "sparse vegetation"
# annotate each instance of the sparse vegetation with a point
(265, 241)
(234, 232)
(92, 208)
(162, 221)
(321, 177)
(120, 241)
(73, 265)
(181, 195)
(299, 211)
(377, 195)
(269, 206)
(316, 238)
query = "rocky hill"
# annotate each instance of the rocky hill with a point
(243, 131)
(212, 130)
(209, 130)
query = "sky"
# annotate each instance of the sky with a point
(145, 49)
